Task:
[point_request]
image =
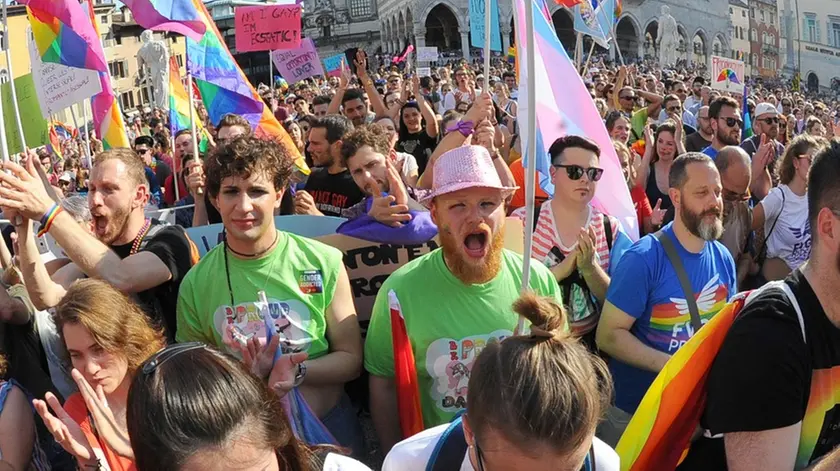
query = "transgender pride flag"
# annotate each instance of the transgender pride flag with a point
(563, 106)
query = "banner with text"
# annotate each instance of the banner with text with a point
(267, 28)
(427, 54)
(298, 64)
(333, 65)
(728, 75)
(477, 33)
(58, 86)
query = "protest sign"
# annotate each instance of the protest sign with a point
(370, 263)
(333, 65)
(297, 64)
(427, 54)
(59, 86)
(477, 25)
(264, 28)
(728, 74)
(35, 127)
(424, 71)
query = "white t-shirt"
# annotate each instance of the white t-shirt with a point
(449, 101)
(413, 453)
(335, 462)
(409, 164)
(791, 238)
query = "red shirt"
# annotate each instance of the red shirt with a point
(641, 203)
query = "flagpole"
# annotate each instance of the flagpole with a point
(193, 132)
(12, 77)
(588, 59)
(87, 134)
(270, 73)
(530, 152)
(487, 38)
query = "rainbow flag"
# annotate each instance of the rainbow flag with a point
(54, 144)
(107, 117)
(564, 107)
(178, 16)
(225, 89)
(659, 434)
(405, 373)
(64, 35)
(747, 127)
(179, 107)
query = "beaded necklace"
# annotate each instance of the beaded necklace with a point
(135, 246)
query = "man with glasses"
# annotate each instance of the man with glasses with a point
(648, 315)
(574, 239)
(725, 117)
(766, 122)
(735, 169)
(638, 118)
(702, 138)
(394, 83)
(672, 109)
(464, 94)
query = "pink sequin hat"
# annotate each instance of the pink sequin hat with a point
(465, 167)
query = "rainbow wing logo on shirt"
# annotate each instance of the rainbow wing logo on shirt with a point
(822, 404)
(671, 322)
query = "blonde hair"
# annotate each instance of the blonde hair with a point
(115, 322)
(542, 389)
(134, 166)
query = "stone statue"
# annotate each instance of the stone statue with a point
(153, 58)
(667, 39)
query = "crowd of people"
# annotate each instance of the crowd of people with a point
(127, 350)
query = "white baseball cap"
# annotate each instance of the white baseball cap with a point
(765, 108)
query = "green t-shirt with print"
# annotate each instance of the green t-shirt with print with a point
(298, 277)
(448, 324)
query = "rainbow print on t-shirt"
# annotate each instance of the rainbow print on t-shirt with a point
(821, 415)
(670, 323)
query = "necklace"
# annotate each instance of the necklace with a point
(254, 255)
(227, 263)
(135, 246)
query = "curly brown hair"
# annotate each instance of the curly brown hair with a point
(372, 136)
(246, 155)
(115, 322)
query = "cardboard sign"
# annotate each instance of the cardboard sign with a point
(35, 127)
(58, 86)
(728, 74)
(424, 71)
(477, 33)
(297, 64)
(370, 263)
(266, 28)
(427, 54)
(333, 65)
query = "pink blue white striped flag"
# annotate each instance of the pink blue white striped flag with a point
(178, 16)
(564, 106)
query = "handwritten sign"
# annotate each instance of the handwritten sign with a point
(477, 34)
(35, 127)
(297, 64)
(728, 74)
(427, 54)
(58, 86)
(333, 65)
(424, 71)
(264, 28)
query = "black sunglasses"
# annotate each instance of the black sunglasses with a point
(575, 172)
(625, 97)
(773, 120)
(673, 109)
(165, 354)
(731, 122)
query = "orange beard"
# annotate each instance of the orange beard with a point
(467, 269)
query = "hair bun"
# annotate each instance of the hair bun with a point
(547, 317)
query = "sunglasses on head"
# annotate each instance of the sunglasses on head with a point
(773, 120)
(575, 172)
(732, 122)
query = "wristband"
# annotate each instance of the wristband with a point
(47, 220)
(465, 127)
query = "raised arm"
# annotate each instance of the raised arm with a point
(425, 110)
(373, 94)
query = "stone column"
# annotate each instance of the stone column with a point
(641, 45)
(465, 43)
(419, 37)
(505, 40)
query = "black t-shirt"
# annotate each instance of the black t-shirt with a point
(333, 193)
(162, 171)
(172, 247)
(766, 377)
(694, 142)
(418, 144)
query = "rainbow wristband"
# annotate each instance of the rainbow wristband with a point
(49, 217)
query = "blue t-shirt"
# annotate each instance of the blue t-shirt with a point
(711, 152)
(645, 286)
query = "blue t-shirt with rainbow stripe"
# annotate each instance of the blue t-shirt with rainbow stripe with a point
(644, 285)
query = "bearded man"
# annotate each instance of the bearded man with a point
(453, 300)
(648, 315)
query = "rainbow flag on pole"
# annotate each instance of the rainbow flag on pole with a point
(564, 107)
(64, 35)
(107, 117)
(179, 101)
(178, 16)
(225, 89)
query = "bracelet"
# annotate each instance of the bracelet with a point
(47, 214)
(96, 466)
(49, 217)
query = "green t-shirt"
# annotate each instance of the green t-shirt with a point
(298, 277)
(448, 324)
(638, 121)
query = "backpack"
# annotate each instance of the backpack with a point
(659, 434)
(576, 295)
(452, 446)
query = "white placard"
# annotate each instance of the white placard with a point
(728, 74)
(427, 54)
(424, 71)
(58, 86)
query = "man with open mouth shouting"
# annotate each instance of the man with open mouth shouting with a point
(454, 300)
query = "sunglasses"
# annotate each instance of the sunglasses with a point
(167, 353)
(771, 120)
(732, 122)
(673, 109)
(627, 97)
(143, 151)
(575, 172)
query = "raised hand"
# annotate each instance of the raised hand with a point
(103, 419)
(63, 428)
(658, 215)
(361, 65)
(586, 249)
(386, 208)
(480, 108)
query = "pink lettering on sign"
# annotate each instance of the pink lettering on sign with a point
(265, 28)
